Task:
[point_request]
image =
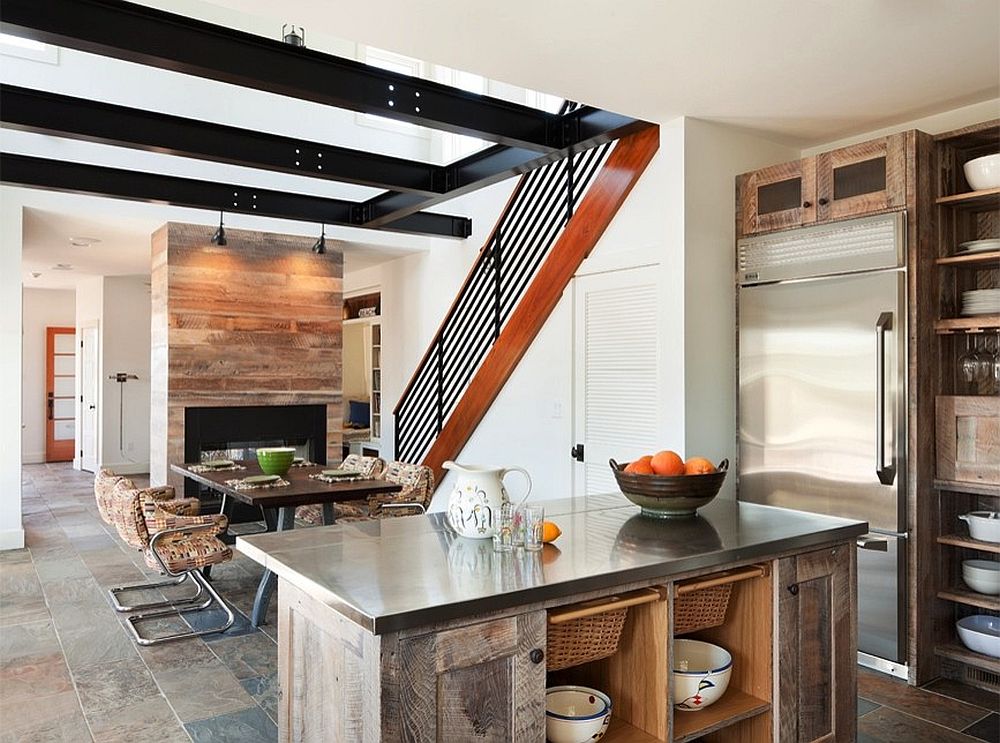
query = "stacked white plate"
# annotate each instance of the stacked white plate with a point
(981, 302)
(979, 246)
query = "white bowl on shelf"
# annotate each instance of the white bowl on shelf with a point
(576, 714)
(983, 525)
(701, 674)
(982, 576)
(980, 633)
(983, 172)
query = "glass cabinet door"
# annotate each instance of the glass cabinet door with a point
(778, 197)
(862, 178)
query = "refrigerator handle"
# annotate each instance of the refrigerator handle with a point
(886, 473)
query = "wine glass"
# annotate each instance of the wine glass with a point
(967, 363)
(984, 362)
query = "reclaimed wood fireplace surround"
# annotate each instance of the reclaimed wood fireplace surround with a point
(256, 322)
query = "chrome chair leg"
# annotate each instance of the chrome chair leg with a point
(120, 607)
(214, 597)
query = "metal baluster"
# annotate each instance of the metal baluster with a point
(496, 286)
(397, 437)
(440, 383)
(569, 187)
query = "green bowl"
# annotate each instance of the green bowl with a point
(275, 460)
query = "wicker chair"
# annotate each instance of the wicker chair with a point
(369, 467)
(180, 551)
(417, 482)
(167, 504)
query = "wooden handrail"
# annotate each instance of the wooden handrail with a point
(621, 171)
(720, 579)
(518, 187)
(603, 605)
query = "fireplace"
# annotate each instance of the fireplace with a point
(236, 432)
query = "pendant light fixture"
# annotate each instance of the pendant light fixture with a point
(320, 245)
(219, 238)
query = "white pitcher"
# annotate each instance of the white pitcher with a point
(474, 503)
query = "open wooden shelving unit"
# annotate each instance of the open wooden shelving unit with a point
(637, 675)
(963, 214)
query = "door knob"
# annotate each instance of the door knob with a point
(92, 407)
(577, 452)
(824, 201)
(794, 589)
(536, 656)
(806, 204)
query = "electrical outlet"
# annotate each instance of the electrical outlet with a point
(557, 410)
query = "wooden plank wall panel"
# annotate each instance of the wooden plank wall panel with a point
(255, 322)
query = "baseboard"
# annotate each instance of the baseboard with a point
(127, 468)
(11, 539)
(35, 457)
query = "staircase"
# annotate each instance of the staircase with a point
(553, 219)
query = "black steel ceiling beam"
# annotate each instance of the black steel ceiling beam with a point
(93, 121)
(57, 175)
(156, 38)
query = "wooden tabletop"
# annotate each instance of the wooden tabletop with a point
(302, 491)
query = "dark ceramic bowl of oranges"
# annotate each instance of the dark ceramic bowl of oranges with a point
(665, 486)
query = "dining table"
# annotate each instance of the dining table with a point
(278, 502)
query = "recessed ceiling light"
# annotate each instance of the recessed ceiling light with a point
(83, 242)
(63, 267)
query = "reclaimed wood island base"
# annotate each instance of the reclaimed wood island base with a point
(398, 630)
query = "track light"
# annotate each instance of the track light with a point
(320, 245)
(219, 238)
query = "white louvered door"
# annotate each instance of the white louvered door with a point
(617, 372)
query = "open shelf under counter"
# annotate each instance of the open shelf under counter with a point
(972, 260)
(972, 199)
(967, 324)
(963, 595)
(955, 651)
(971, 488)
(735, 705)
(621, 732)
(957, 540)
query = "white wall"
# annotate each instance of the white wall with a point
(125, 347)
(120, 308)
(11, 532)
(713, 156)
(41, 309)
(679, 221)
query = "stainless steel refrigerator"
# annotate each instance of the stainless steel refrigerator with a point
(822, 397)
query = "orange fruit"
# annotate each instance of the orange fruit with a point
(550, 532)
(698, 466)
(667, 463)
(640, 466)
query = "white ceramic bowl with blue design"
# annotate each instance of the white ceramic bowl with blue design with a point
(576, 714)
(701, 674)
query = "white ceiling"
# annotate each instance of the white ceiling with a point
(124, 247)
(806, 72)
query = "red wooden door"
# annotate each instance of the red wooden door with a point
(60, 394)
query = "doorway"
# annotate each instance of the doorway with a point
(60, 391)
(617, 373)
(89, 375)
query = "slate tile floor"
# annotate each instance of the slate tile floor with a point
(69, 670)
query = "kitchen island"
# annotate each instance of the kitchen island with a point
(399, 630)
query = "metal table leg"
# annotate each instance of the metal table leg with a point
(329, 515)
(285, 521)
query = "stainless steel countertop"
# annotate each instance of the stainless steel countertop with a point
(400, 573)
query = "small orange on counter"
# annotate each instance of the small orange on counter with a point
(550, 532)
(698, 466)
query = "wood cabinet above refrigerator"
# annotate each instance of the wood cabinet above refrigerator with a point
(852, 181)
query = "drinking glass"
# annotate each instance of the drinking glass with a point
(984, 362)
(503, 539)
(534, 516)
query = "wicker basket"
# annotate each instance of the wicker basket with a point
(584, 640)
(701, 609)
